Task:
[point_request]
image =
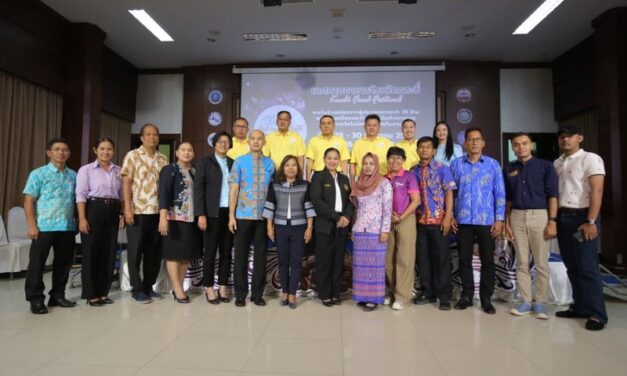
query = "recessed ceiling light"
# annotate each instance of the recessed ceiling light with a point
(150, 24)
(401, 34)
(537, 16)
(274, 37)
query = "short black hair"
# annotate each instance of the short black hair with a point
(141, 131)
(424, 139)
(372, 116)
(569, 129)
(395, 150)
(241, 118)
(104, 139)
(472, 129)
(327, 116)
(406, 120)
(56, 140)
(521, 134)
(283, 112)
(217, 136)
(329, 150)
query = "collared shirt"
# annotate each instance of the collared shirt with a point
(403, 184)
(531, 184)
(93, 181)
(374, 212)
(224, 192)
(411, 152)
(378, 146)
(440, 154)
(278, 145)
(574, 172)
(435, 180)
(319, 144)
(238, 149)
(253, 175)
(480, 191)
(144, 170)
(53, 191)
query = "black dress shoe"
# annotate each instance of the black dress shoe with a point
(336, 301)
(212, 301)
(106, 300)
(594, 324)
(328, 303)
(259, 302)
(487, 307)
(369, 307)
(463, 303)
(445, 306)
(570, 314)
(420, 300)
(95, 303)
(60, 302)
(240, 302)
(38, 307)
(361, 304)
(223, 299)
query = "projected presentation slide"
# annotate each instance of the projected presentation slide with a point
(347, 96)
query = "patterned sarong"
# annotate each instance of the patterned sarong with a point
(368, 268)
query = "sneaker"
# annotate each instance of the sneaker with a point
(141, 298)
(522, 309)
(155, 295)
(423, 300)
(399, 306)
(540, 312)
(387, 300)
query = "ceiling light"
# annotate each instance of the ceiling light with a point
(150, 24)
(274, 37)
(401, 34)
(537, 16)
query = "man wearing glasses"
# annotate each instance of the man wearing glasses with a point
(240, 139)
(479, 214)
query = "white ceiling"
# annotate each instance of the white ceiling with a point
(189, 22)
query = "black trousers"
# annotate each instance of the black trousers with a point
(247, 230)
(290, 244)
(99, 248)
(217, 237)
(63, 244)
(144, 243)
(468, 235)
(330, 250)
(434, 258)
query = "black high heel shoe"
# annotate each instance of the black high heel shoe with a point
(96, 303)
(212, 301)
(185, 300)
(223, 299)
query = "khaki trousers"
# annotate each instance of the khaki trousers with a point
(528, 228)
(400, 259)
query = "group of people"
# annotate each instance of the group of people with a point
(399, 204)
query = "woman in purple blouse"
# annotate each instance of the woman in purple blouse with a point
(372, 196)
(98, 194)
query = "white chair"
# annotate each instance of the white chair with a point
(8, 252)
(17, 228)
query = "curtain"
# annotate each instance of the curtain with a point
(29, 116)
(120, 132)
(587, 122)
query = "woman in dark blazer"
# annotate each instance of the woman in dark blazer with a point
(211, 204)
(331, 226)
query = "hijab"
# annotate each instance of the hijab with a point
(366, 184)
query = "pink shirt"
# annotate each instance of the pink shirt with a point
(402, 184)
(374, 212)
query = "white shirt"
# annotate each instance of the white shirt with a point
(338, 196)
(574, 172)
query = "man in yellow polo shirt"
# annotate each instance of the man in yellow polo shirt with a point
(319, 144)
(371, 143)
(284, 142)
(408, 127)
(240, 139)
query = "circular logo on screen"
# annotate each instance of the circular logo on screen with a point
(266, 121)
(215, 97)
(464, 116)
(463, 95)
(210, 139)
(215, 118)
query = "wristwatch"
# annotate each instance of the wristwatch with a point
(553, 219)
(591, 221)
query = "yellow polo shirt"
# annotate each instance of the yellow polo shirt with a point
(411, 153)
(239, 148)
(278, 146)
(319, 144)
(378, 146)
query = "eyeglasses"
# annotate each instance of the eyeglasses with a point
(474, 140)
(223, 142)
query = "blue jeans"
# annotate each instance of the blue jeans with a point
(582, 264)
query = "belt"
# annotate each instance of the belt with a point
(573, 210)
(107, 201)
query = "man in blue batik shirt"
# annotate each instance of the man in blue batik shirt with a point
(479, 215)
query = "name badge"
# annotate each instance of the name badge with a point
(513, 173)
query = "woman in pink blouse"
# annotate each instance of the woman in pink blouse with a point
(372, 196)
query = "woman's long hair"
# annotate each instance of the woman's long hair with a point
(448, 152)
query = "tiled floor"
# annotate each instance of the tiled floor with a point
(166, 338)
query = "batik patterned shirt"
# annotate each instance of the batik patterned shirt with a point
(253, 174)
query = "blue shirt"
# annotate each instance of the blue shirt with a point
(224, 192)
(529, 185)
(480, 191)
(253, 175)
(53, 191)
(440, 154)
